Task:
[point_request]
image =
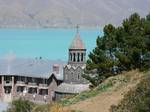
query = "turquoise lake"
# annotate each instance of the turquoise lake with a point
(49, 44)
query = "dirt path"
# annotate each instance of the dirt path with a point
(103, 102)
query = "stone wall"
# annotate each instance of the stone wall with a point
(59, 95)
(74, 75)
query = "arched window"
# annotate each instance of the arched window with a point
(82, 57)
(78, 57)
(70, 56)
(74, 57)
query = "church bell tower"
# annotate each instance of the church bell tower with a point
(76, 61)
(77, 51)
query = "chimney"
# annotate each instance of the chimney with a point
(56, 68)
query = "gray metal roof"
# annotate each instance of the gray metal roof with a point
(31, 68)
(72, 88)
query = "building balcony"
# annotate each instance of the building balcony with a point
(7, 83)
(43, 85)
(20, 82)
(32, 84)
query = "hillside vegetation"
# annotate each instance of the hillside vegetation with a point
(137, 100)
(112, 93)
(112, 82)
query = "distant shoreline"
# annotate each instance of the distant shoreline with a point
(51, 27)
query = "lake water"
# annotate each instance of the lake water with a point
(46, 43)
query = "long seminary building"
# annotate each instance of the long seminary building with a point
(41, 80)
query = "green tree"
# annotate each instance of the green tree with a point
(121, 48)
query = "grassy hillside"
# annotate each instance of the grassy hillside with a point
(111, 83)
(106, 94)
(137, 100)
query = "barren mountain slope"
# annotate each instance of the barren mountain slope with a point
(64, 13)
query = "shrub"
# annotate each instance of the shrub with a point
(20, 106)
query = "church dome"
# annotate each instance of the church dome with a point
(77, 43)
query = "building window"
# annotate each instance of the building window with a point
(44, 81)
(7, 89)
(70, 57)
(78, 57)
(21, 79)
(32, 90)
(43, 92)
(74, 57)
(7, 78)
(82, 57)
(20, 89)
(33, 80)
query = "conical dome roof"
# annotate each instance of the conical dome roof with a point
(77, 43)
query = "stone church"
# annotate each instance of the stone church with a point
(73, 81)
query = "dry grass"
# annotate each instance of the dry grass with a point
(55, 107)
(113, 94)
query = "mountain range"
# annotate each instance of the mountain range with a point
(68, 13)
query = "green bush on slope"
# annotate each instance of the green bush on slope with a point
(20, 106)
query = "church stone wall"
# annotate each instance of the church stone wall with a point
(74, 75)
